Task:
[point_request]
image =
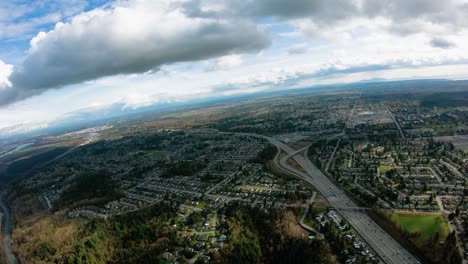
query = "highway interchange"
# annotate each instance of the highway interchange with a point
(380, 241)
(383, 244)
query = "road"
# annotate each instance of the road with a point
(396, 124)
(382, 243)
(349, 120)
(7, 231)
(343, 132)
(306, 210)
(332, 156)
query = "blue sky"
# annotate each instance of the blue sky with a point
(59, 58)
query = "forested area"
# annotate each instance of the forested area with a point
(21, 166)
(258, 236)
(90, 185)
(137, 237)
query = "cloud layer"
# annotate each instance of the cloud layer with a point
(139, 36)
(451, 14)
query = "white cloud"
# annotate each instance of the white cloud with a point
(129, 37)
(22, 128)
(228, 62)
(310, 29)
(298, 49)
(288, 75)
(5, 72)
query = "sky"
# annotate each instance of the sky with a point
(63, 58)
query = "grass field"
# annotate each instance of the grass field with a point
(201, 204)
(383, 168)
(427, 225)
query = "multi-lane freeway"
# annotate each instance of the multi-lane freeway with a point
(382, 243)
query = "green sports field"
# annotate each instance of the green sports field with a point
(427, 225)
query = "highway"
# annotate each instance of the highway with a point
(10, 257)
(382, 243)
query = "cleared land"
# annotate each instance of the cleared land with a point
(383, 168)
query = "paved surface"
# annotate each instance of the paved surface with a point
(383, 244)
(396, 124)
(332, 156)
(307, 207)
(11, 259)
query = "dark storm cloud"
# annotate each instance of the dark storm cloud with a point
(441, 43)
(416, 16)
(403, 9)
(326, 11)
(405, 15)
